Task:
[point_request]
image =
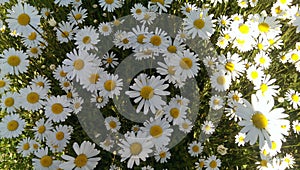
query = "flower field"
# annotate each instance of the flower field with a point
(158, 84)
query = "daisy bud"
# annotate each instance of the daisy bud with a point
(52, 22)
(95, 6)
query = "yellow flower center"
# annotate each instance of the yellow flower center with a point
(60, 135)
(13, 60)
(271, 41)
(260, 46)
(42, 129)
(174, 112)
(254, 74)
(136, 148)
(138, 11)
(278, 10)
(171, 70)
(147, 92)
(262, 60)
(86, 39)
(78, 64)
(282, 1)
(62, 74)
(264, 163)
(274, 145)
(8, 102)
(186, 63)
(201, 164)
(109, 60)
(125, 41)
(105, 28)
(259, 120)
(213, 164)
(12, 125)
(221, 80)
(244, 29)
(112, 124)
(78, 16)
(216, 101)
(297, 127)
(140, 39)
(65, 34)
(109, 85)
(34, 50)
(32, 36)
(156, 131)
(109, 1)
(172, 49)
(235, 97)
(93, 78)
(66, 84)
(159, 1)
(155, 40)
(195, 148)
(57, 108)
(199, 23)
(35, 146)
(23, 19)
(229, 66)
(99, 99)
(46, 161)
(162, 154)
(295, 98)
(33, 97)
(81, 160)
(263, 27)
(185, 125)
(2, 83)
(40, 83)
(241, 139)
(26, 146)
(295, 57)
(188, 9)
(263, 88)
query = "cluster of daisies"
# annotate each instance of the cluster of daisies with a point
(261, 122)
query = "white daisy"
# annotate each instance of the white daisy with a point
(147, 91)
(11, 126)
(212, 163)
(265, 88)
(110, 5)
(77, 15)
(240, 139)
(216, 102)
(288, 160)
(185, 126)
(296, 126)
(293, 97)
(42, 129)
(24, 147)
(161, 5)
(58, 108)
(85, 158)
(187, 7)
(208, 127)
(138, 10)
(32, 38)
(263, 60)
(195, 148)
(91, 80)
(41, 81)
(175, 113)
(100, 101)
(63, 2)
(220, 81)
(65, 31)
(112, 123)
(105, 28)
(162, 154)
(9, 102)
(110, 85)
(59, 137)
(157, 41)
(254, 74)
(13, 62)
(110, 60)
(32, 97)
(167, 69)
(44, 160)
(87, 38)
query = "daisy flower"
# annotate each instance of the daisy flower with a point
(224, 21)
(11, 126)
(293, 97)
(175, 113)
(32, 38)
(77, 15)
(135, 147)
(263, 60)
(65, 31)
(112, 123)
(199, 22)
(85, 158)
(122, 39)
(110, 5)
(137, 10)
(294, 56)
(296, 126)
(212, 163)
(260, 120)
(195, 148)
(77, 104)
(159, 130)
(157, 41)
(210, 62)
(161, 5)
(59, 73)
(275, 147)
(41, 81)
(138, 38)
(231, 111)
(105, 28)
(91, 80)
(42, 129)
(234, 96)
(187, 7)
(162, 154)
(147, 91)
(288, 160)
(44, 161)
(24, 147)
(58, 108)
(220, 81)
(99, 100)
(110, 60)
(110, 85)
(185, 126)
(107, 144)
(216, 102)
(240, 139)
(87, 38)
(265, 162)
(9, 102)
(147, 17)
(175, 47)
(13, 62)
(32, 97)
(265, 88)
(59, 137)
(167, 69)
(268, 25)
(186, 65)
(254, 74)
(23, 18)
(208, 127)
(78, 64)
(199, 165)
(180, 100)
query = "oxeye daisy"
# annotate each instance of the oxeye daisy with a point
(77, 104)
(230, 111)
(224, 21)
(220, 81)
(110, 85)
(186, 65)
(138, 38)
(46, 12)
(105, 28)
(260, 120)
(107, 144)
(157, 41)
(293, 97)
(162, 154)
(42, 129)
(161, 5)
(240, 139)
(147, 17)
(99, 100)
(110, 5)
(263, 60)
(65, 31)
(9, 102)
(175, 113)
(59, 73)
(13, 62)
(243, 3)
(216, 102)
(187, 7)
(175, 47)
(268, 25)
(122, 39)
(185, 126)
(44, 160)
(112, 123)
(159, 130)
(254, 74)
(41, 81)
(66, 84)
(23, 18)
(34, 51)
(243, 44)
(288, 160)
(59, 137)
(296, 126)
(147, 91)
(78, 64)
(199, 165)
(265, 162)
(77, 15)
(208, 127)
(11, 126)
(91, 80)
(293, 56)
(234, 96)
(137, 10)
(212, 163)
(85, 158)
(110, 60)
(265, 88)
(195, 148)
(32, 38)
(87, 38)
(199, 22)
(275, 147)
(24, 147)
(135, 147)
(167, 69)
(32, 97)
(58, 108)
